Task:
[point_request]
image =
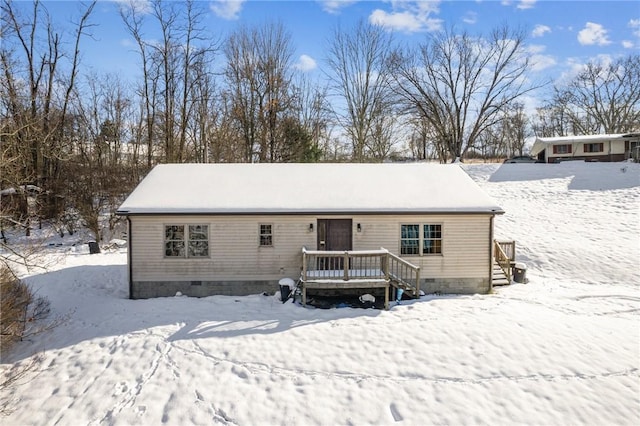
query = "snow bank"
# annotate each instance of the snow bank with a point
(563, 349)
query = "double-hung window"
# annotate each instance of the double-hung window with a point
(432, 239)
(266, 235)
(410, 239)
(420, 239)
(186, 241)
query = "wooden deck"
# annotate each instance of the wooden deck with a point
(358, 269)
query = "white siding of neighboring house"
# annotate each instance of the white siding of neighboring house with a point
(235, 254)
(611, 147)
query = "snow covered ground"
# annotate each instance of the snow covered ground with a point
(562, 349)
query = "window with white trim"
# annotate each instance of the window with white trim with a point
(432, 239)
(420, 239)
(410, 239)
(266, 235)
(186, 241)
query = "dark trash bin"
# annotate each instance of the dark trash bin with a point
(94, 248)
(520, 273)
(286, 288)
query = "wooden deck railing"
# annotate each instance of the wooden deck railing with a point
(345, 265)
(509, 248)
(344, 269)
(504, 255)
(404, 274)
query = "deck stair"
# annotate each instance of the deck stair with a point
(498, 276)
(504, 255)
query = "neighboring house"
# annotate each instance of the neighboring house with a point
(612, 147)
(237, 229)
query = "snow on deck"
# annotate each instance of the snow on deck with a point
(307, 188)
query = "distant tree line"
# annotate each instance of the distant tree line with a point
(85, 139)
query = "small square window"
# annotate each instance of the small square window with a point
(266, 235)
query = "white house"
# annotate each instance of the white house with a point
(205, 229)
(609, 147)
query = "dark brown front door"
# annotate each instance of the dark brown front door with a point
(335, 234)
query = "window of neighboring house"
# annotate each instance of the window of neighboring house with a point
(410, 239)
(186, 240)
(593, 147)
(424, 239)
(432, 239)
(266, 235)
(562, 149)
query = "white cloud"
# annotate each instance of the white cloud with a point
(540, 30)
(593, 34)
(526, 4)
(538, 60)
(306, 63)
(627, 44)
(574, 66)
(506, 2)
(334, 6)
(227, 9)
(408, 16)
(470, 18)
(635, 24)
(139, 6)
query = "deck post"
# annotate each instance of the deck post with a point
(386, 297)
(304, 294)
(345, 260)
(304, 264)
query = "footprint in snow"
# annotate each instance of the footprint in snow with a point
(395, 413)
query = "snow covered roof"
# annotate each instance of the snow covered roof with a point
(542, 143)
(307, 188)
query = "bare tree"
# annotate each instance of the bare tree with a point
(357, 60)
(313, 114)
(515, 128)
(551, 120)
(258, 76)
(460, 84)
(134, 21)
(37, 92)
(603, 98)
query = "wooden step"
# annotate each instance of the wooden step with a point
(500, 282)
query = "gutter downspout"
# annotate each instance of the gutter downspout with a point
(129, 264)
(491, 253)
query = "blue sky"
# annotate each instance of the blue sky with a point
(562, 34)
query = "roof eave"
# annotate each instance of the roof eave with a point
(255, 212)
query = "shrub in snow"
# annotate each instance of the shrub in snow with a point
(21, 310)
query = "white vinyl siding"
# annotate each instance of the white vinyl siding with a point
(234, 254)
